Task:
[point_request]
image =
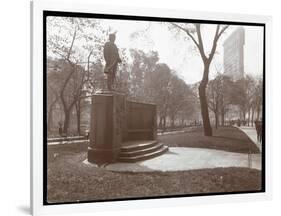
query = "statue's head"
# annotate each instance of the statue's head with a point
(112, 37)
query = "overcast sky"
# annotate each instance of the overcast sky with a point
(177, 52)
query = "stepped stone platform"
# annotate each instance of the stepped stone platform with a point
(133, 151)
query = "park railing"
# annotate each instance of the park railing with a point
(67, 140)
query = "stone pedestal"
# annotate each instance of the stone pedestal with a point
(107, 126)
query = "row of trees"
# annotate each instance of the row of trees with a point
(225, 93)
(145, 80)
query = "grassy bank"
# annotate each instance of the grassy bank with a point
(224, 138)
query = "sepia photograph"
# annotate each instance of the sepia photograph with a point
(140, 107)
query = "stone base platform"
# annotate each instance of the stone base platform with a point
(134, 151)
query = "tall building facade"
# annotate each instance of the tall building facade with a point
(233, 59)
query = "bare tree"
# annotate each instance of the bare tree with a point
(193, 31)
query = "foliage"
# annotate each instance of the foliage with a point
(71, 43)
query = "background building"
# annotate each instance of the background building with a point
(233, 59)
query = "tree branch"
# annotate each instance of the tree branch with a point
(72, 42)
(201, 45)
(88, 64)
(216, 38)
(222, 31)
(188, 33)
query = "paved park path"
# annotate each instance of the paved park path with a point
(252, 134)
(182, 158)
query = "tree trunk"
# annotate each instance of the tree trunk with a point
(222, 117)
(216, 119)
(203, 103)
(78, 115)
(66, 121)
(252, 118)
(244, 115)
(172, 121)
(50, 118)
(222, 108)
(182, 122)
(160, 122)
(258, 112)
(247, 120)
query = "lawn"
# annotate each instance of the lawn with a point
(224, 138)
(70, 180)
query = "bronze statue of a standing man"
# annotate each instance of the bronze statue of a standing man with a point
(112, 59)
